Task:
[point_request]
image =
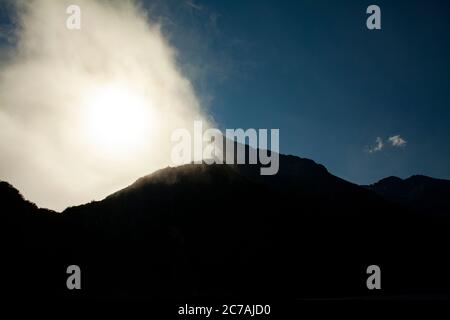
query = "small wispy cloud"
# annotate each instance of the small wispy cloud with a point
(379, 145)
(397, 141)
(394, 141)
(193, 5)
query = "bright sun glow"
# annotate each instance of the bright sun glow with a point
(117, 119)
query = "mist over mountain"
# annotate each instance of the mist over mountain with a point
(226, 231)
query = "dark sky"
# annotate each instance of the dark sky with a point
(313, 70)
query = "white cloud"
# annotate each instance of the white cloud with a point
(397, 141)
(379, 145)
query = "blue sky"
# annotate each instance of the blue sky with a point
(313, 70)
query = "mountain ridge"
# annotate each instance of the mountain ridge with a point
(383, 187)
(203, 230)
(420, 192)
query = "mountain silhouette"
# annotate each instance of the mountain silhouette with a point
(418, 192)
(202, 230)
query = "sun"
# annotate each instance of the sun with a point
(117, 119)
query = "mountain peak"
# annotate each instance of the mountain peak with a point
(389, 180)
(418, 191)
